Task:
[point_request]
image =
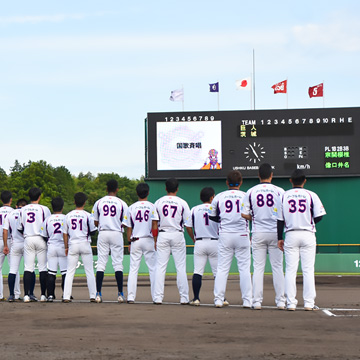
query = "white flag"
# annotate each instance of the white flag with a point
(243, 84)
(177, 95)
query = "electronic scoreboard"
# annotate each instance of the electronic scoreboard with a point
(188, 145)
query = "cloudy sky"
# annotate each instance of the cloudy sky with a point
(77, 78)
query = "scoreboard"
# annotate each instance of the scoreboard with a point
(322, 142)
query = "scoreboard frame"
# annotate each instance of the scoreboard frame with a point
(324, 142)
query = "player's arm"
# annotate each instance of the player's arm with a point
(280, 231)
(155, 231)
(5, 237)
(66, 243)
(247, 217)
(190, 231)
(317, 219)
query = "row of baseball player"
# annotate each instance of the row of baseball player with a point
(219, 227)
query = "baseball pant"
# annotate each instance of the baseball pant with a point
(231, 244)
(56, 257)
(110, 241)
(171, 243)
(300, 245)
(205, 250)
(14, 259)
(34, 246)
(76, 250)
(263, 243)
(2, 259)
(143, 246)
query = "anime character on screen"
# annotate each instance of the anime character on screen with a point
(211, 161)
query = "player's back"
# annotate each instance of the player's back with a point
(173, 212)
(139, 217)
(298, 209)
(109, 211)
(4, 212)
(200, 222)
(261, 203)
(11, 223)
(227, 205)
(51, 229)
(78, 224)
(31, 218)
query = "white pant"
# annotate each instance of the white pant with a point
(75, 250)
(171, 242)
(35, 246)
(143, 246)
(300, 244)
(56, 257)
(10, 259)
(231, 244)
(205, 250)
(110, 241)
(263, 243)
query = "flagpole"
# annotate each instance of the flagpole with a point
(218, 95)
(287, 93)
(182, 87)
(253, 88)
(251, 75)
(323, 96)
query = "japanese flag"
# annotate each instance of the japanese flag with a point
(243, 84)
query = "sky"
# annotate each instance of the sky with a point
(77, 78)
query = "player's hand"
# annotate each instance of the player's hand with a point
(155, 245)
(129, 247)
(6, 250)
(281, 245)
(66, 251)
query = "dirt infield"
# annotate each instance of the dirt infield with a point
(84, 330)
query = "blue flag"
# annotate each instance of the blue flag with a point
(214, 87)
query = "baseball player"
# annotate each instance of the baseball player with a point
(206, 234)
(233, 239)
(5, 210)
(109, 213)
(141, 221)
(15, 250)
(173, 213)
(77, 228)
(260, 206)
(31, 218)
(51, 230)
(299, 211)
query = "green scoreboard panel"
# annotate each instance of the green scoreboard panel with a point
(189, 145)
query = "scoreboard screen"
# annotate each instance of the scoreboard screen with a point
(322, 142)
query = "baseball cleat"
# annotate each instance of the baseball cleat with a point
(256, 307)
(157, 302)
(19, 299)
(219, 305)
(92, 300)
(195, 302)
(131, 302)
(3, 299)
(32, 298)
(120, 297)
(11, 298)
(281, 307)
(66, 301)
(98, 298)
(26, 299)
(314, 308)
(226, 303)
(43, 298)
(290, 309)
(50, 298)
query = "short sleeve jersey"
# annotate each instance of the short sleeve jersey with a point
(227, 205)
(173, 213)
(139, 217)
(78, 224)
(11, 222)
(31, 218)
(200, 222)
(261, 203)
(298, 208)
(51, 229)
(109, 211)
(4, 212)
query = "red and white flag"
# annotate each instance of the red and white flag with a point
(243, 84)
(316, 91)
(280, 87)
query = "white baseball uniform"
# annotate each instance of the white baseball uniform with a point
(261, 203)
(206, 233)
(109, 211)
(51, 229)
(4, 212)
(297, 209)
(16, 247)
(139, 218)
(173, 213)
(233, 240)
(78, 224)
(31, 218)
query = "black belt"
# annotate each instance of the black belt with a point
(206, 238)
(170, 231)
